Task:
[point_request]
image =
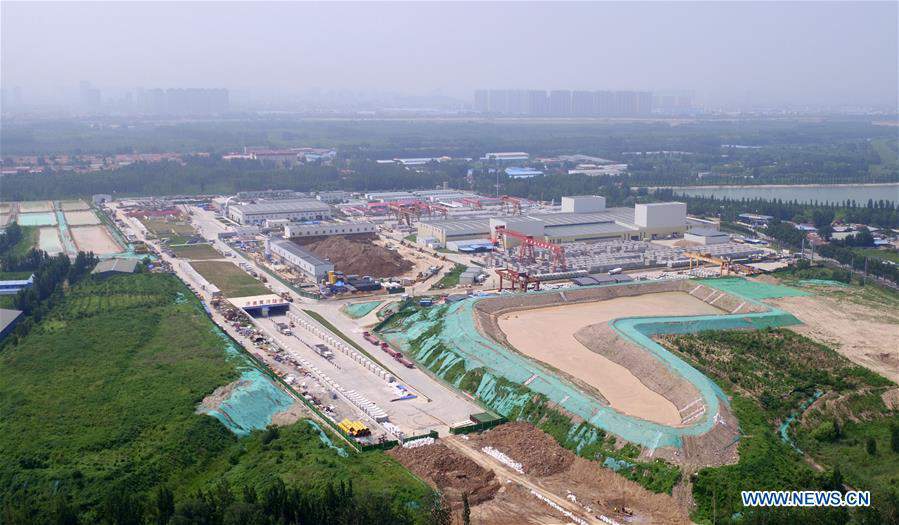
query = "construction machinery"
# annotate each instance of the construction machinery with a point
(725, 265)
(517, 280)
(511, 205)
(526, 246)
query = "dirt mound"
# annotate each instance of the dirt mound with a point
(539, 454)
(451, 472)
(357, 255)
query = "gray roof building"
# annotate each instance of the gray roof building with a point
(110, 266)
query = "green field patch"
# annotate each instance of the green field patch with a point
(230, 279)
(196, 252)
(359, 310)
(100, 396)
(773, 388)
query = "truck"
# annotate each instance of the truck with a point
(323, 351)
(284, 328)
(615, 271)
(405, 362)
(370, 338)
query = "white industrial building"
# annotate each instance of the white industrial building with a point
(294, 210)
(328, 228)
(706, 236)
(583, 218)
(583, 204)
(300, 258)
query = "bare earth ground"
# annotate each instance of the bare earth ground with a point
(94, 239)
(863, 334)
(547, 335)
(563, 474)
(35, 206)
(74, 205)
(81, 218)
(48, 240)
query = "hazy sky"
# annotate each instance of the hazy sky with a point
(768, 52)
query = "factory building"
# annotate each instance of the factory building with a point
(294, 210)
(706, 236)
(328, 228)
(300, 258)
(576, 223)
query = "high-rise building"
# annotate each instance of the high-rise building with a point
(499, 101)
(538, 104)
(560, 102)
(564, 103)
(582, 104)
(89, 96)
(482, 100)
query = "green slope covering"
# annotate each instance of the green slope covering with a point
(100, 398)
(768, 373)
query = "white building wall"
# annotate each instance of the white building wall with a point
(660, 215)
(315, 230)
(312, 269)
(583, 204)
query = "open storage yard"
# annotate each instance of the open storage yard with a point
(49, 241)
(81, 218)
(74, 205)
(196, 252)
(230, 279)
(549, 336)
(35, 206)
(95, 239)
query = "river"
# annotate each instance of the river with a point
(803, 193)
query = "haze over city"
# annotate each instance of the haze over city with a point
(731, 54)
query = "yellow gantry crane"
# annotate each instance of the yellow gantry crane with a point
(725, 266)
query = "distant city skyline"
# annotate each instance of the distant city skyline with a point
(730, 54)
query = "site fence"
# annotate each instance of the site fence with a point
(478, 427)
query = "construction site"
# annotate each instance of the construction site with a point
(589, 353)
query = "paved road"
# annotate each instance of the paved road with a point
(443, 406)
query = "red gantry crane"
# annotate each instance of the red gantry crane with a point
(527, 245)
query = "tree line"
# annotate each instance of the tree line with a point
(882, 213)
(275, 504)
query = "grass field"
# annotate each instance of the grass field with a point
(101, 397)
(164, 229)
(451, 278)
(230, 279)
(768, 374)
(29, 240)
(197, 252)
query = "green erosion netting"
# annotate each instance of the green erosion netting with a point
(326, 440)
(823, 282)
(253, 401)
(751, 289)
(446, 341)
(358, 310)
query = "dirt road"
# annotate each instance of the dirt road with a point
(504, 473)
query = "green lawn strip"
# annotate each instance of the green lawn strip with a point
(451, 278)
(230, 278)
(327, 324)
(15, 276)
(197, 252)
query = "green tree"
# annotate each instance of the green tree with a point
(466, 510)
(871, 446)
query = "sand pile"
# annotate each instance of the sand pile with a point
(539, 454)
(357, 255)
(450, 471)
